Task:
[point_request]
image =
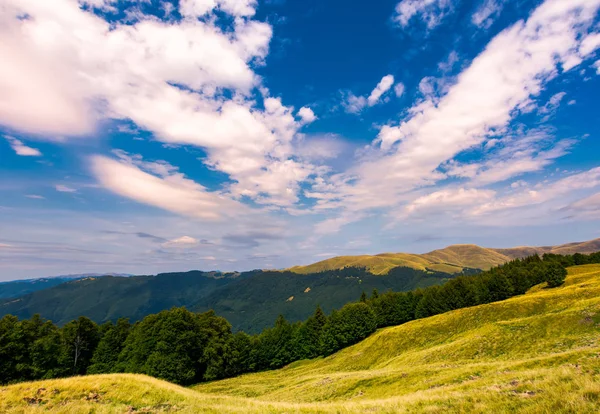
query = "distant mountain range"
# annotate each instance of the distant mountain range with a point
(15, 288)
(252, 300)
(452, 259)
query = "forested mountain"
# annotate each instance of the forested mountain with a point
(249, 300)
(16, 288)
(109, 298)
(253, 300)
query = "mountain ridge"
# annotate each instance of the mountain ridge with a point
(450, 259)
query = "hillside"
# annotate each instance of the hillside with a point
(16, 288)
(451, 259)
(109, 298)
(250, 301)
(586, 247)
(533, 353)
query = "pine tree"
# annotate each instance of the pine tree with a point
(555, 275)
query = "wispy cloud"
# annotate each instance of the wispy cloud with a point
(486, 12)
(431, 12)
(22, 149)
(61, 188)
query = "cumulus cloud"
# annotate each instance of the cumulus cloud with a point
(431, 12)
(306, 115)
(22, 149)
(382, 87)
(167, 77)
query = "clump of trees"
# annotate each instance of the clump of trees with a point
(186, 347)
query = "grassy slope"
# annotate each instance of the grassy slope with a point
(451, 259)
(586, 247)
(539, 352)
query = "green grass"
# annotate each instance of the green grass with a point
(536, 353)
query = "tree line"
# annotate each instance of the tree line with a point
(185, 347)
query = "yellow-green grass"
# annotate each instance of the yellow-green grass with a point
(377, 264)
(536, 353)
(451, 259)
(468, 255)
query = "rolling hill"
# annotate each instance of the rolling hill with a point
(451, 259)
(532, 353)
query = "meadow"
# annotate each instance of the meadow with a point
(534, 353)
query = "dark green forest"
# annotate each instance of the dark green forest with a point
(250, 301)
(187, 347)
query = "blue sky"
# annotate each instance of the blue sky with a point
(144, 136)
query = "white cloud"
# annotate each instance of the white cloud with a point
(181, 242)
(22, 149)
(589, 44)
(382, 87)
(448, 64)
(172, 192)
(431, 12)
(353, 104)
(60, 84)
(585, 208)
(487, 11)
(35, 197)
(320, 147)
(307, 115)
(64, 188)
(556, 190)
(597, 66)
(552, 103)
(511, 70)
(399, 89)
(198, 8)
(514, 155)
(501, 83)
(448, 199)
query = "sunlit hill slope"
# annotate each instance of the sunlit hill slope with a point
(452, 259)
(539, 352)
